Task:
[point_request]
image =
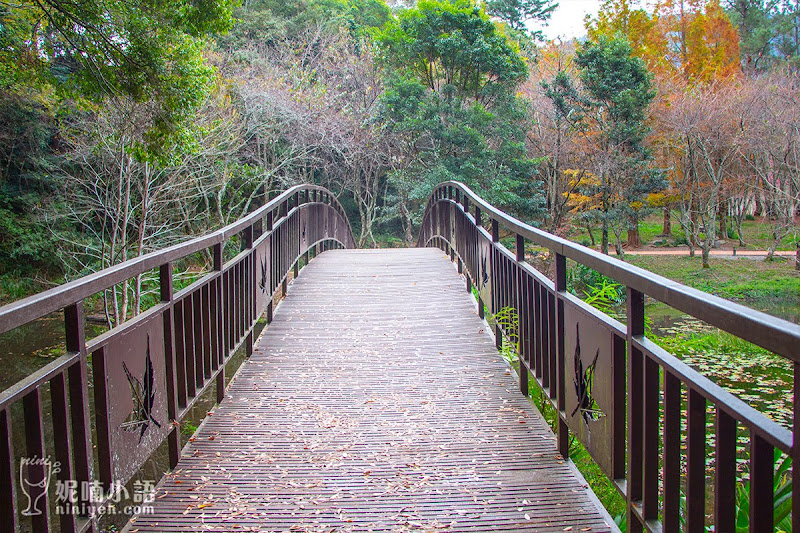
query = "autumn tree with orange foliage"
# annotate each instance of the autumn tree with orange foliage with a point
(691, 46)
(607, 104)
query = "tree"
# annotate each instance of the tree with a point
(693, 39)
(707, 122)
(641, 28)
(519, 12)
(450, 99)
(123, 207)
(609, 108)
(551, 138)
(770, 150)
(148, 51)
(769, 32)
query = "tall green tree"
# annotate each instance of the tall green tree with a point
(609, 107)
(62, 59)
(146, 50)
(450, 98)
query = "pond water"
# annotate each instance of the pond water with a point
(758, 377)
(34, 345)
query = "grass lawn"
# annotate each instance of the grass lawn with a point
(757, 234)
(740, 278)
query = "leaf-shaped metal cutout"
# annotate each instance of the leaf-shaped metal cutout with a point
(143, 394)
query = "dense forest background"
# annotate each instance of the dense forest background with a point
(129, 126)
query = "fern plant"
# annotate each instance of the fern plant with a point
(782, 506)
(508, 320)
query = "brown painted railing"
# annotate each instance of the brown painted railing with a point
(149, 371)
(624, 397)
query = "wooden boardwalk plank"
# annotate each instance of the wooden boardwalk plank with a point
(375, 401)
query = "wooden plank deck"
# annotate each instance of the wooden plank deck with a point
(375, 401)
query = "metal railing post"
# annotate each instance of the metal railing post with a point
(561, 400)
(498, 332)
(522, 314)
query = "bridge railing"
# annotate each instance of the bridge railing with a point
(146, 373)
(640, 411)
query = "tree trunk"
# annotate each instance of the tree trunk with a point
(797, 257)
(666, 230)
(407, 224)
(591, 235)
(634, 238)
(776, 239)
(706, 252)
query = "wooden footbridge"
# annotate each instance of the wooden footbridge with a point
(376, 398)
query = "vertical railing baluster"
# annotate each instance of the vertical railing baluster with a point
(539, 334)
(796, 450)
(8, 478)
(102, 414)
(672, 452)
(208, 363)
(725, 472)
(236, 302)
(219, 312)
(80, 421)
(561, 288)
(696, 463)
(635, 320)
(522, 313)
(619, 401)
(762, 473)
(188, 343)
(552, 345)
(34, 447)
(197, 340)
(180, 352)
(217, 358)
(167, 293)
(495, 261)
(529, 287)
(248, 288)
(61, 445)
(650, 441)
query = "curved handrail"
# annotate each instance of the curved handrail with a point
(769, 332)
(181, 346)
(612, 387)
(41, 304)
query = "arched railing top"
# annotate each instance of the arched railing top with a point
(23, 311)
(769, 332)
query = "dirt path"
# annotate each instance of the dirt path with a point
(714, 253)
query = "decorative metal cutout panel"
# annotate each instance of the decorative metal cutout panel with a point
(588, 349)
(484, 269)
(263, 292)
(137, 390)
